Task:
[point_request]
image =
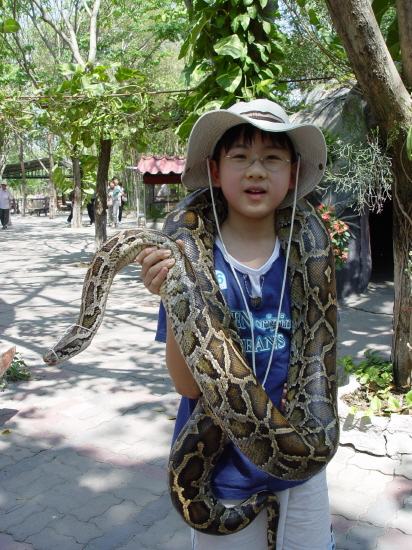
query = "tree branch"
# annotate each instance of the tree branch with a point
(86, 7)
(41, 34)
(73, 46)
(371, 61)
(93, 32)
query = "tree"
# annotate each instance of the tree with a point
(390, 103)
(233, 51)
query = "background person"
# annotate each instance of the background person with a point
(113, 193)
(5, 204)
(122, 200)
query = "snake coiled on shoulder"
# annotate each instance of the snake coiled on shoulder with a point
(291, 446)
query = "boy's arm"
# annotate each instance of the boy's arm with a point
(155, 264)
(180, 374)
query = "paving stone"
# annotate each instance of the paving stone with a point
(374, 482)
(398, 489)
(139, 496)
(350, 504)
(20, 513)
(117, 537)
(344, 454)
(50, 540)
(342, 525)
(82, 532)
(114, 478)
(380, 512)
(394, 540)
(8, 543)
(340, 539)
(34, 523)
(154, 511)
(362, 537)
(351, 478)
(95, 507)
(384, 464)
(116, 515)
(405, 467)
(403, 520)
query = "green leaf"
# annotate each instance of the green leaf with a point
(230, 77)
(380, 7)
(185, 128)
(8, 26)
(252, 11)
(266, 26)
(58, 178)
(376, 403)
(124, 73)
(231, 46)
(408, 398)
(190, 41)
(69, 68)
(409, 143)
(87, 138)
(242, 19)
(393, 404)
(313, 18)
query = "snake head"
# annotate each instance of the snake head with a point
(51, 359)
(75, 340)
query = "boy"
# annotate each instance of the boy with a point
(261, 163)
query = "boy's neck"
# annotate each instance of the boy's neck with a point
(250, 244)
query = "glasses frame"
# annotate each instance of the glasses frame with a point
(262, 160)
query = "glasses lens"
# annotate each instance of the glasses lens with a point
(274, 163)
(239, 160)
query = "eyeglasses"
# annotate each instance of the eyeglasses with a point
(271, 162)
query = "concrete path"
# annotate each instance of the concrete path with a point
(84, 447)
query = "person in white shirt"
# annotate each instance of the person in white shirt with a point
(5, 204)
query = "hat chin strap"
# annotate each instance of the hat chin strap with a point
(229, 260)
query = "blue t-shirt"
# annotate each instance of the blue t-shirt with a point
(234, 476)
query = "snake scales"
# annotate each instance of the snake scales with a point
(233, 405)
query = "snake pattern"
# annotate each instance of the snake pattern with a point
(291, 446)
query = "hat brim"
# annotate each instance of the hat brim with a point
(307, 140)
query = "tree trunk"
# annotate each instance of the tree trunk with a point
(23, 179)
(77, 199)
(402, 244)
(404, 11)
(390, 103)
(52, 187)
(100, 204)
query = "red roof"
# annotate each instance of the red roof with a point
(160, 165)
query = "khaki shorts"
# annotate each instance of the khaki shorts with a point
(304, 522)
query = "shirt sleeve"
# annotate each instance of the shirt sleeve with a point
(161, 331)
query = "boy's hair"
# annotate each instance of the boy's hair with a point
(247, 132)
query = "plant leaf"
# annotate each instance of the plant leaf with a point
(231, 46)
(229, 78)
(8, 26)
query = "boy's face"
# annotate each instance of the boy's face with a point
(254, 192)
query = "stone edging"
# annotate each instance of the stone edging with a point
(379, 436)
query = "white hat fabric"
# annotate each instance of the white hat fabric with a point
(307, 140)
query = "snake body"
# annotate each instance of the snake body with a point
(233, 405)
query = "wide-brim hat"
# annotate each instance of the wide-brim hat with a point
(307, 140)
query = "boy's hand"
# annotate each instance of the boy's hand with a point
(283, 399)
(155, 265)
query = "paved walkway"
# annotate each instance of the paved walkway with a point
(83, 453)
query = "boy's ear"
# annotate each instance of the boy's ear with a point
(292, 182)
(214, 172)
